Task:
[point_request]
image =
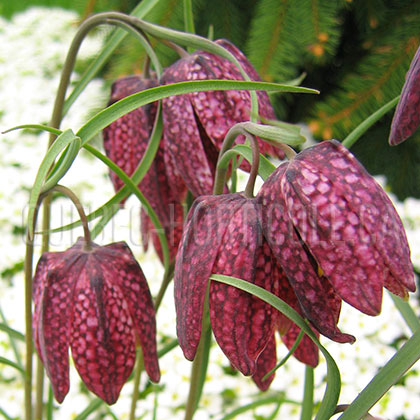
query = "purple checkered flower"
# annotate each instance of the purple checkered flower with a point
(195, 124)
(97, 302)
(407, 115)
(331, 226)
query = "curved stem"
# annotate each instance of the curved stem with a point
(221, 170)
(249, 188)
(83, 219)
(167, 277)
(178, 49)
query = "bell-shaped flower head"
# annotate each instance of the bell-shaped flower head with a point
(125, 142)
(96, 301)
(407, 115)
(195, 124)
(223, 236)
(336, 235)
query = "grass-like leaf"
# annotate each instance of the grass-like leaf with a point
(11, 332)
(332, 392)
(5, 361)
(396, 367)
(128, 104)
(61, 142)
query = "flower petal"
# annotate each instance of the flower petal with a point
(218, 111)
(316, 297)
(266, 361)
(125, 140)
(182, 136)
(204, 230)
(121, 268)
(242, 323)
(352, 214)
(53, 284)
(407, 116)
(102, 336)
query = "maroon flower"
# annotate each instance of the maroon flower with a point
(335, 233)
(407, 115)
(195, 124)
(223, 236)
(97, 302)
(125, 142)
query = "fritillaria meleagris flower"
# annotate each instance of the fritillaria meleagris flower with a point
(223, 236)
(97, 302)
(125, 142)
(195, 124)
(334, 232)
(407, 115)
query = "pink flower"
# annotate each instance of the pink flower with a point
(407, 115)
(332, 227)
(125, 142)
(97, 302)
(195, 124)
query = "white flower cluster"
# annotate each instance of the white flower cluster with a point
(34, 44)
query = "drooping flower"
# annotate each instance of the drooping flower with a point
(96, 301)
(334, 230)
(223, 235)
(125, 142)
(195, 124)
(407, 115)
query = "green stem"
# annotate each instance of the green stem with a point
(308, 394)
(222, 164)
(115, 39)
(70, 194)
(199, 366)
(39, 398)
(396, 367)
(28, 327)
(368, 122)
(50, 404)
(167, 277)
(136, 385)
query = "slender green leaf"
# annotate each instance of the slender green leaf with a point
(116, 38)
(368, 122)
(274, 399)
(111, 207)
(92, 407)
(134, 189)
(288, 355)
(332, 391)
(6, 416)
(34, 127)
(12, 338)
(11, 332)
(396, 367)
(56, 148)
(8, 362)
(128, 104)
(63, 164)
